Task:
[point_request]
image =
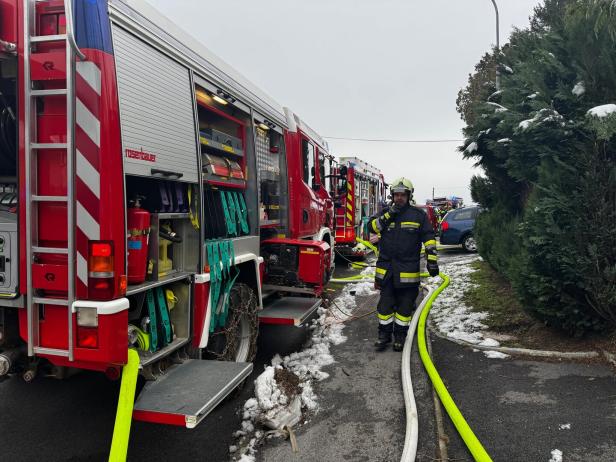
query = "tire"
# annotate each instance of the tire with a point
(469, 244)
(237, 341)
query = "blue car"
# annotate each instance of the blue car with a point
(457, 228)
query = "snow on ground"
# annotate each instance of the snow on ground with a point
(449, 313)
(270, 410)
(557, 456)
(495, 354)
(566, 426)
(602, 111)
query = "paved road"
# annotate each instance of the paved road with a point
(515, 407)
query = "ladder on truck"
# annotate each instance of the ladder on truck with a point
(33, 149)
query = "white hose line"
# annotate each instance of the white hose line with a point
(520, 351)
(412, 423)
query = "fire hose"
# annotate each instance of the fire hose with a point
(418, 323)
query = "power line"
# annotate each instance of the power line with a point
(389, 140)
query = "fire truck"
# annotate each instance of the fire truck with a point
(152, 198)
(361, 193)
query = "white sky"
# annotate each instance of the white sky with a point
(363, 69)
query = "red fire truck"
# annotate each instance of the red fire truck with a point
(147, 190)
(361, 193)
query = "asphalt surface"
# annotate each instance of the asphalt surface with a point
(520, 409)
(361, 408)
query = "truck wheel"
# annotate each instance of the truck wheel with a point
(237, 340)
(469, 243)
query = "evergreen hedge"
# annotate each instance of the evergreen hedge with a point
(549, 162)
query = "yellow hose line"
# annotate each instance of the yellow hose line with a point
(370, 245)
(471, 441)
(124, 414)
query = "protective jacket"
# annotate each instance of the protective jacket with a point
(400, 245)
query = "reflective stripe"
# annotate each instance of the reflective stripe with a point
(349, 206)
(349, 186)
(410, 224)
(349, 216)
(392, 225)
(385, 322)
(403, 318)
(402, 323)
(409, 277)
(384, 317)
(432, 258)
(380, 273)
(386, 215)
(376, 226)
(430, 242)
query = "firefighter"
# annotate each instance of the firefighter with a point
(403, 228)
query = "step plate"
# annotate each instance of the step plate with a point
(293, 311)
(189, 391)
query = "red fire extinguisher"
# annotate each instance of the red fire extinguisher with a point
(137, 241)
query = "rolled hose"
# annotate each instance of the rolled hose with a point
(472, 442)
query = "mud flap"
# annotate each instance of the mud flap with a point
(188, 392)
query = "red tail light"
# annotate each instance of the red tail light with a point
(87, 337)
(101, 276)
(444, 226)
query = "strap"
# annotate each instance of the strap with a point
(243, 214)
(149, 297)
(163, 313)
(233, 212)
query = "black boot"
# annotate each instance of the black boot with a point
(399, 339)
(383, 340)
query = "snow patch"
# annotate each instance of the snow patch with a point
(471, 148)
(497, 107)
(508, 69)
(489, 342)
(602, 111)
(504, 140)
(579, 89)
(557, 456)
(495, 354)
(533, 96)
(271, 407)
(449, 313)
(566, 426)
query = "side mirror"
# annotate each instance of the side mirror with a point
(343, 171)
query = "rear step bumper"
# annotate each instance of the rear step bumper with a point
(188, 392)
(292, 311)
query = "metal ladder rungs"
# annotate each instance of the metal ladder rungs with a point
(49, 198)
(62, 250)
(51, 92)
(50, 351)
(50, 301)
(48, 145)
(47, 38)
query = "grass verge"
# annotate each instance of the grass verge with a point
(492, 294)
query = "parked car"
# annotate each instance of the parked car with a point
(457, 228)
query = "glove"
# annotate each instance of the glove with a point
(432, 268)
(394, 210)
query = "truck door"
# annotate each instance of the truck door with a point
(308, 222)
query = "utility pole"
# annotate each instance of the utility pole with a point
(432, 192)
(497, 47)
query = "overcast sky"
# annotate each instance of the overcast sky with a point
(384, 69)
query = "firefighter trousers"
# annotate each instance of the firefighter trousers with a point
(395, 309)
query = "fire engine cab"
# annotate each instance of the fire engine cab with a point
(151, 198)
(361, 194)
